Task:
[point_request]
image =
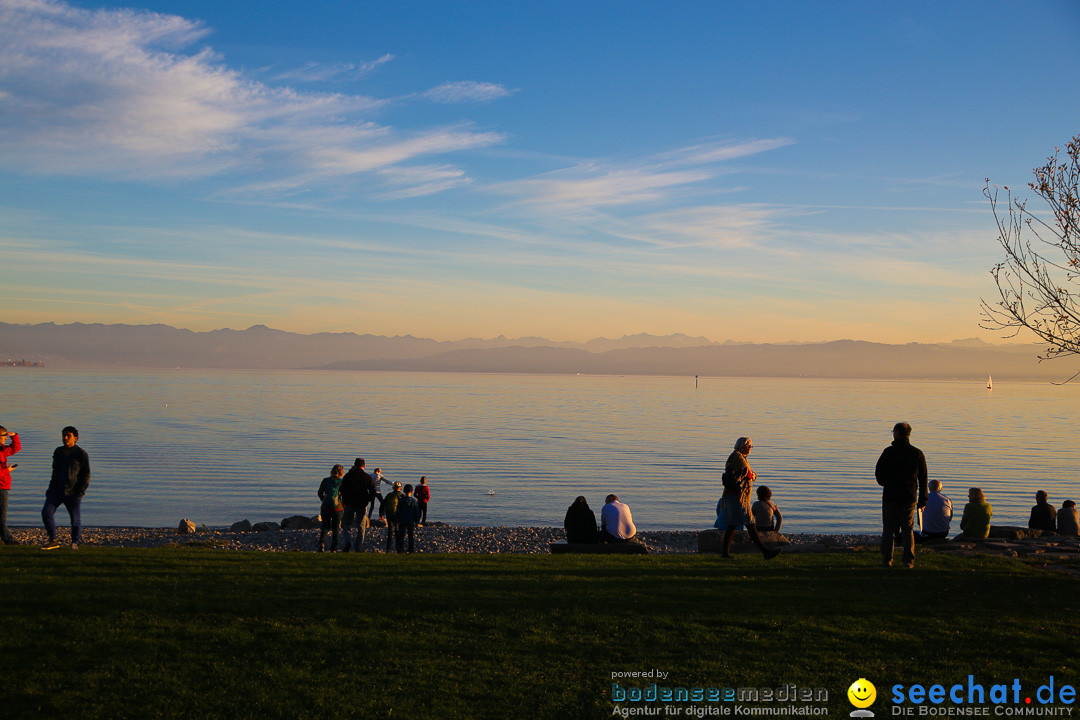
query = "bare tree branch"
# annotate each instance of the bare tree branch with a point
(1039, 280)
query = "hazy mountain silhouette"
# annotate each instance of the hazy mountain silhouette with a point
(260, 347)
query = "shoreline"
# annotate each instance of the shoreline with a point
(434, 538)
(518, 540)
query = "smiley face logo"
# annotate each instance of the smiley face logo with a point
(862, 693)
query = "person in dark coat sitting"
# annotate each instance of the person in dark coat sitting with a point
(580, 522)
(1043, 514)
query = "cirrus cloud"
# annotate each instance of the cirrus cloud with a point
(120, 94)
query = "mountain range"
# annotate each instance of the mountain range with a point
(260, 347)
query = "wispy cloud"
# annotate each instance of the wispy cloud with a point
(113, 93)
(466, 91)
(608, 184)
(322, 72)
(422, 180)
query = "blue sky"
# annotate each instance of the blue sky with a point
(754, 171)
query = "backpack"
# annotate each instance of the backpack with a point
(330, 492)
(390, 504)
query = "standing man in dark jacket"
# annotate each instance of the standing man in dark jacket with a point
(356, 489)
(901, 472)
(70, 478)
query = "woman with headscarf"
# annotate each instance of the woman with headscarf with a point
(734, 509)
(580, 522)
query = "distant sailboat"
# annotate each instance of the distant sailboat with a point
(989, 382)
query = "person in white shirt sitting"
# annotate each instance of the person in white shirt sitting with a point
(616, 523)
(936, 516)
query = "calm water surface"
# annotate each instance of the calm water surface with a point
(220, 446)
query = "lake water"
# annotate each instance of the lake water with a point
(220, 446)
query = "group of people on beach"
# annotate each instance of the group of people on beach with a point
(354, 496)
(67, 485)
(351, 497)
(901, 473)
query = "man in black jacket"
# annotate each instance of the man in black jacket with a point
(356, 490)
(901, 473)
(70, 478)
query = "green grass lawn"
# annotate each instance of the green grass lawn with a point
(113, 633)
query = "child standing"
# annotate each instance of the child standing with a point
(423, 494)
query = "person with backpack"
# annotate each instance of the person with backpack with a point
(405, 518)
(389, 510)
(332, 508)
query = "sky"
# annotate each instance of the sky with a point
(749, 171)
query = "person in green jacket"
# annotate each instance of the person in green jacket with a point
(331, 509)
(977, 513)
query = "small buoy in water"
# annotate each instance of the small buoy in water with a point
(491, 492)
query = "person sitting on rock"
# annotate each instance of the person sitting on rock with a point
(936, 516)
(616, 523)
(975, 522)
(1043, 515)
(767, 517)
(1068, 519)
(580, 522)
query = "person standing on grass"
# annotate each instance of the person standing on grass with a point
(355, 496)
(405, 518)
(9, 445)
(616, 523)
(70, 478)
(734, 507)
(901, 473)
(332, 507)
(389, 510)
(423, 495)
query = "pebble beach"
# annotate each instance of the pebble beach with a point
(485, 540)
(434, 538)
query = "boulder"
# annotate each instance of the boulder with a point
(1013, 532)
(713, 540)
(265, 526)
(242, 526)
(299, 522)
(186, 527)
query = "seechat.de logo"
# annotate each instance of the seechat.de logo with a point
(862, 695)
